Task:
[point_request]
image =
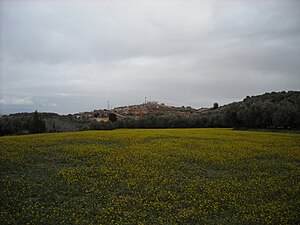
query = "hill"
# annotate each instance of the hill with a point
(276, 110)
(270, 110)
(142, 110)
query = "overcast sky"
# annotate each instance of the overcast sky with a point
(71, 56)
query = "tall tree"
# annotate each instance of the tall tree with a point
(37, 125)
(216, 105)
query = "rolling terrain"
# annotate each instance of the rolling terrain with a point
(272, 111)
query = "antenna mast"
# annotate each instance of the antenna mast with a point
(108, 105)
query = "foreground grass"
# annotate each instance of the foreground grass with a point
(172, 176)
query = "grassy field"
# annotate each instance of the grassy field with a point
(171, 176)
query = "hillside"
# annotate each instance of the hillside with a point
(277, 103)
(276, 110)
(270, 110)
(142, 110)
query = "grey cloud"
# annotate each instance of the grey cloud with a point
(73, 56)
(16, 101)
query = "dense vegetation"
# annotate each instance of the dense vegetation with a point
(271, 110)
(170, 176)
(268, 111)
(26, 123)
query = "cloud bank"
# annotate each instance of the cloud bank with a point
(70, 56)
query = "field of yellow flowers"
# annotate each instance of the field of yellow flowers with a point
(170, 176)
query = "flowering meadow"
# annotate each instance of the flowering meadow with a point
(161, 176)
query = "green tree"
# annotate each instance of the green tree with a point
(37, 125)
(112, 117)
(216, 105)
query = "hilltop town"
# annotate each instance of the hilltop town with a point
(137, 111)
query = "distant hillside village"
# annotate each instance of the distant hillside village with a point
(138, 111)
(276, 110)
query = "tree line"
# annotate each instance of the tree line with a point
(31, 123)
(276, 110)
(270, 110)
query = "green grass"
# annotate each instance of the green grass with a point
(171, 176)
